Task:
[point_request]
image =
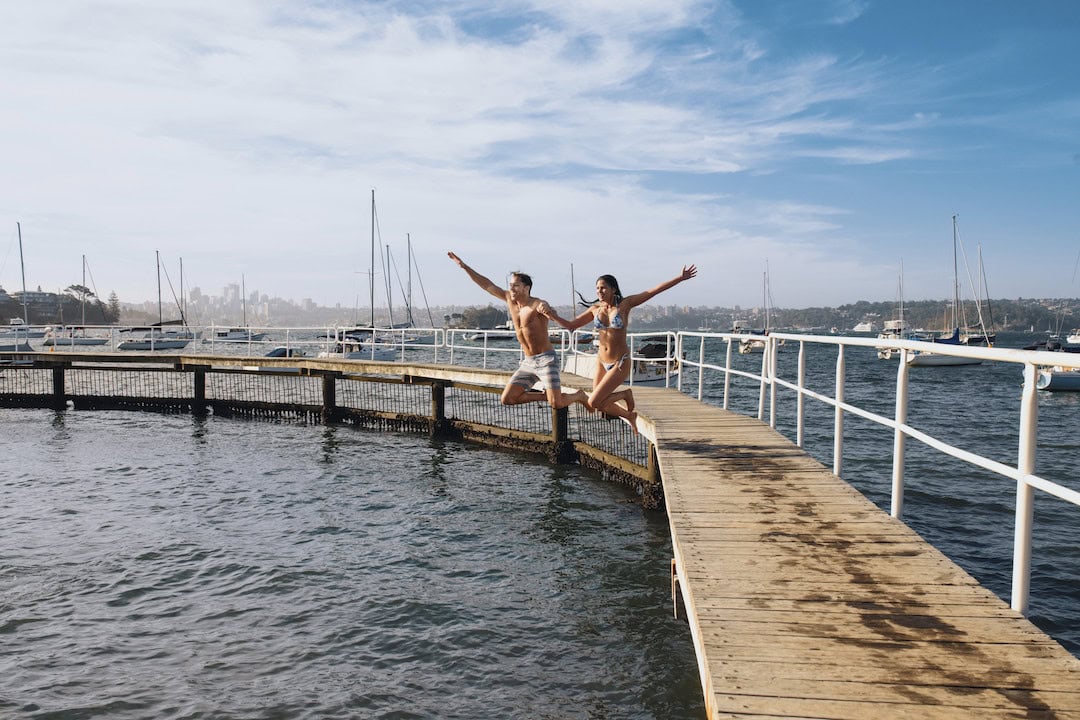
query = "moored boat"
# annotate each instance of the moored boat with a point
(154, 339)
(71, 336)
(1058, 378)
(243, 334)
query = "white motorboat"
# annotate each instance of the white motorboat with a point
(243, 334)
(71, 337)
(348, 349)
(1058, 378)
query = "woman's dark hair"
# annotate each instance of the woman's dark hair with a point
(612, 283)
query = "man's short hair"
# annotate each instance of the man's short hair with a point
(523, 277)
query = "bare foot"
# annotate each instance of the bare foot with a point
(631, 421)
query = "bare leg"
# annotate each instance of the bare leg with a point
(606, 385)
(605, 395)
(517, 395)
(626, 395)
(613, 408)
(560, 399)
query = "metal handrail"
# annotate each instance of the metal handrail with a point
(1023, 474)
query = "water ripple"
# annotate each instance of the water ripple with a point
(223, 569)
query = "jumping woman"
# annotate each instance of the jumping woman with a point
(610, 317)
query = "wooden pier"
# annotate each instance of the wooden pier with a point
(805, 600)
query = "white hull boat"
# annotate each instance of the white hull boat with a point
(648, 373)
(1058, 378)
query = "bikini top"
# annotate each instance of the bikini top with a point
(616, 322)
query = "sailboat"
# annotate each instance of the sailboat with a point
(19, 328)
(896, 328)
(67, 336)
(978, 335)
(360, 343)
(243, 333)
(925, 358)
(157, 337)
(757, 344)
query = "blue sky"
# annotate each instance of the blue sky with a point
(831, 140)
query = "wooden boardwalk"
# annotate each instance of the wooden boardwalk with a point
(805, 600)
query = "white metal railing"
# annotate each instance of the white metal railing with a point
(1023, 474)
(482, 348)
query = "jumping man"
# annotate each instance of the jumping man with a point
(530, 317)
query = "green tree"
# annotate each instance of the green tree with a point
(81, 292)
(484, 318)
(112, 316)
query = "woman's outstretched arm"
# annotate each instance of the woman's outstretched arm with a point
(580, 321)
(688, 272)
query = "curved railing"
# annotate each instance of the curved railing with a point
(770, 381)
(686, 354)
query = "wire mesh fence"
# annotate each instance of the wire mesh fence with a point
(384, 402)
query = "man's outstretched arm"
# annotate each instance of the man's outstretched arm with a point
(478, 278)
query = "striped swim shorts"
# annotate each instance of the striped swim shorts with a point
(542, 368)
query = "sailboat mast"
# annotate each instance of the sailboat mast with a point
(84, 290)
(956, 282)
(183, 298)
(408, 301)
(573, 291)
(389, 297)
(985, 290)
(243, 299)
(22, 267)
(371, 275)
(903, 328)
(765, 296)
(157, 259)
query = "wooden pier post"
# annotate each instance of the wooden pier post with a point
(562, 450)
(59, 398)
(652, 467)
(329, 394)
(440, 426)
(198, 404)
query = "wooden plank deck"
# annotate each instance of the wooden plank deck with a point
(805, 600)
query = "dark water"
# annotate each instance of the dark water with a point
(168, 567)
(966, 512)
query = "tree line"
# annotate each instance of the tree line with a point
(66, 308)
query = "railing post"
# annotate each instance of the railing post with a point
(701, 373)
(59, 397)
(198, 404)
(774, 350)
(800, 401)
(838, 426)
(1025, 494)
(899, 438)
(727, 371)
(764, 382)
(329, 395)
(678, 355)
